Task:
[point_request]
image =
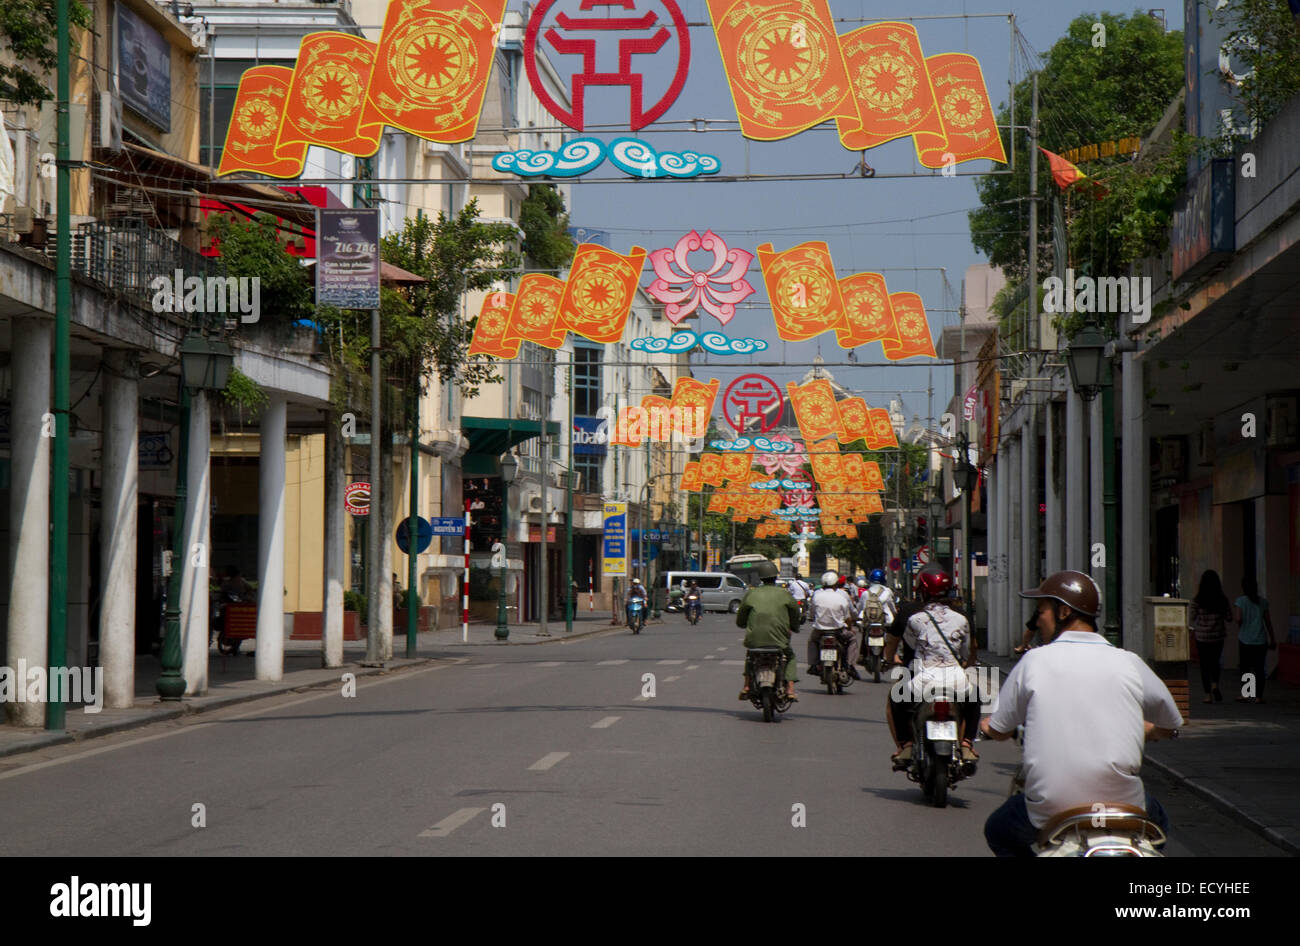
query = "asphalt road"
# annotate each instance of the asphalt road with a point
(507, 750)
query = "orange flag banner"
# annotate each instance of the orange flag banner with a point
(490, 330)
(868, 316)
(657, 419)
(435, 57)
(692, 404)
(873, 504)
(872, 479)
(691, 482)
(736, 466)
(913, 330)
(629, 431)
(855, 422)
(827, 468)
(882, 429)
(801, 289)
(970, 126)
(255, 124)
(891, 87)
(814, 409)
(599, 291)
(783, 64)
(719, 502)
(711, 468)
(536, 313)
(855, 473)
(327, 96)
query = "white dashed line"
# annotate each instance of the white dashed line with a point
(551, 663)
(733, 663)
(450, 823)
(670, 663)
(483, 666)
(547, 761)
(671, 679)
(709, 657)
(719, 649)
(606, 722)
(610, 663)
(693, 667)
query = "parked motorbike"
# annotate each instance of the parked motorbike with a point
(694, 608)
(767, 687)
(834, 663)
(936, 761)
(225, 645)
(636, 613)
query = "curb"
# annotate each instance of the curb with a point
(1235, 812)
(554, 639)
(192, 709)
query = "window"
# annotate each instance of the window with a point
(586, 381)
(588, 469)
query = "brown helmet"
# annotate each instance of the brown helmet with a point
(1073, 589)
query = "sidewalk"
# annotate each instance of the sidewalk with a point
(1242, 758)
(230, 679)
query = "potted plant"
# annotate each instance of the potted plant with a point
(354, 605)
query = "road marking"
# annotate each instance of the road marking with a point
(610, 663)
(719, 648)
(709, 657)
(693, 667)
(551, 663)
(546, 761)
(667, 663)
(482, 666)
(733, 663)
(671, 679)
(326, 693)
(450, 823)
(606, 722)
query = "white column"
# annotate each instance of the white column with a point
(1030, 561)
(1002, 483)
(118, 530)
(31, 429)
(196, 550)
(1096, 512)
(335, 529)
(1015, 541)
(1076, 484)
(269, 655)
(1135, 503)
(1055, 551)
(993, 544)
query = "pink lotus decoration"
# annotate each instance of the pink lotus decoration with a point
(684, 289)
(789, 464)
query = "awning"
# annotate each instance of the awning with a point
(493, 436)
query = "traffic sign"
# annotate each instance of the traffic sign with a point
(895, 565)
(923, 555)
(447, 525)
(424, 535)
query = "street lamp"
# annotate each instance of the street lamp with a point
(509, 468)
(1090, 373)
(205, 366)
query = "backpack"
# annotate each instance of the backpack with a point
(872, 610)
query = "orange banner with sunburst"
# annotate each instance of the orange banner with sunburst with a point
(535, 316)
(691, 404)
(868, 316)
(599, 291)
(855, 422)
(801, 289)
(493, 323)
(435, 57)
(692, 481)
(970, 126)
(891, 88)
(882, 430)
(327, 96)
(255, 125)
(814, 409)
(711, 469)
(913, 337)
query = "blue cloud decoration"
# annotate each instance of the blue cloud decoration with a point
(631, 155)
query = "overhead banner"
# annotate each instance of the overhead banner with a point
(614, 542)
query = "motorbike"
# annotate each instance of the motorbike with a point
(636, 613)
(694, 608)
(225, 645)
(834, 665)
(936, 761)
(767, 688)
(873, 651)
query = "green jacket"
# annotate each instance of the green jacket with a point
(769, 616)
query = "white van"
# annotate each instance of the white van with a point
(719, 591)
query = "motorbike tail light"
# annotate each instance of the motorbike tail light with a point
(942, 710)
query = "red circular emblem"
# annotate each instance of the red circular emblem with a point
(750, 396)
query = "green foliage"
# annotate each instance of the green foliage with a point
(354, 601)
(28, 29)
(243, 393)
(250, 248)
(1264, 42)
(545, 224)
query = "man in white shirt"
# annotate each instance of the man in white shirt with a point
(876, 588)
(1087, 709)
(830, 610)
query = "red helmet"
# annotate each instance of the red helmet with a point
(934, 582)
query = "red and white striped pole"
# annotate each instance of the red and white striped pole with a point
(591, 595)
(464, 600)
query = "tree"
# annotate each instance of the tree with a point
(546, 228)
(250, 248)
(1265, 38)
(28, 29)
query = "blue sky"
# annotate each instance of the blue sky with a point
(905, 228)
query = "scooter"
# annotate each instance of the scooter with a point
(873, 653)
(636, 613)
(225, 645)
(936, 761)
(834, 667)
(694, 608)
(767, 687)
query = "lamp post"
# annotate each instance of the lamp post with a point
(205, 366)
(966, 476)
(509, 467)
(1090, 374)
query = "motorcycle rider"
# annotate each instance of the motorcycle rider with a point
(1087, 708)
(877, 588)
(831, 610)
(941, 639)
(635, 590)
(769, 616)
(693, 589)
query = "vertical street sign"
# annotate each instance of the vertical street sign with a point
(614, 557)
(347, 268)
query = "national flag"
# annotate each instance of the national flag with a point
(599, 291)
(252, 137)
(327, 103)
(490, 329)
(801, 289)
(913, 336)
(1065, 173)
(868, 316)
(536, 313)
(434, 61)
(892, 96)
(970, 126)
(814, 409)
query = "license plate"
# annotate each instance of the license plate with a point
(766, 678)
(875, 642)
(935, 729)
(830, 656)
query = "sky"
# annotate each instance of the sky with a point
(909, 229)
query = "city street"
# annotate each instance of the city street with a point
(419, 760)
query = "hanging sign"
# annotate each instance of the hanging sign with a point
(752, 396)
(356, 498)
(347, 268)
(614, 542)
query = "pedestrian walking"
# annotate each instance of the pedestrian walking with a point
(1254, 636)
(1208, 618)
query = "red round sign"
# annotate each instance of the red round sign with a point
(356, 499)
(749, 396)
(895, 564)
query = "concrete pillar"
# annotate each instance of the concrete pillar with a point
(118, 527)
(993, 545)
(1031, 565)
(197, 549)
(269, 655)
(31, 429)
(1055, 551)
(1014, 543)
(335, 550)
(1135, 503)
(1075, 455)
(387, 506)
(1096, 512)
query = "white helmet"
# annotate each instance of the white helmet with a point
(862, 583)
(830, 580)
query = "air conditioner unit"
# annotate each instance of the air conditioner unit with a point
(534, 502)
(110, 121)
(1281, 422)
(1017, 389)
(1205, 445)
